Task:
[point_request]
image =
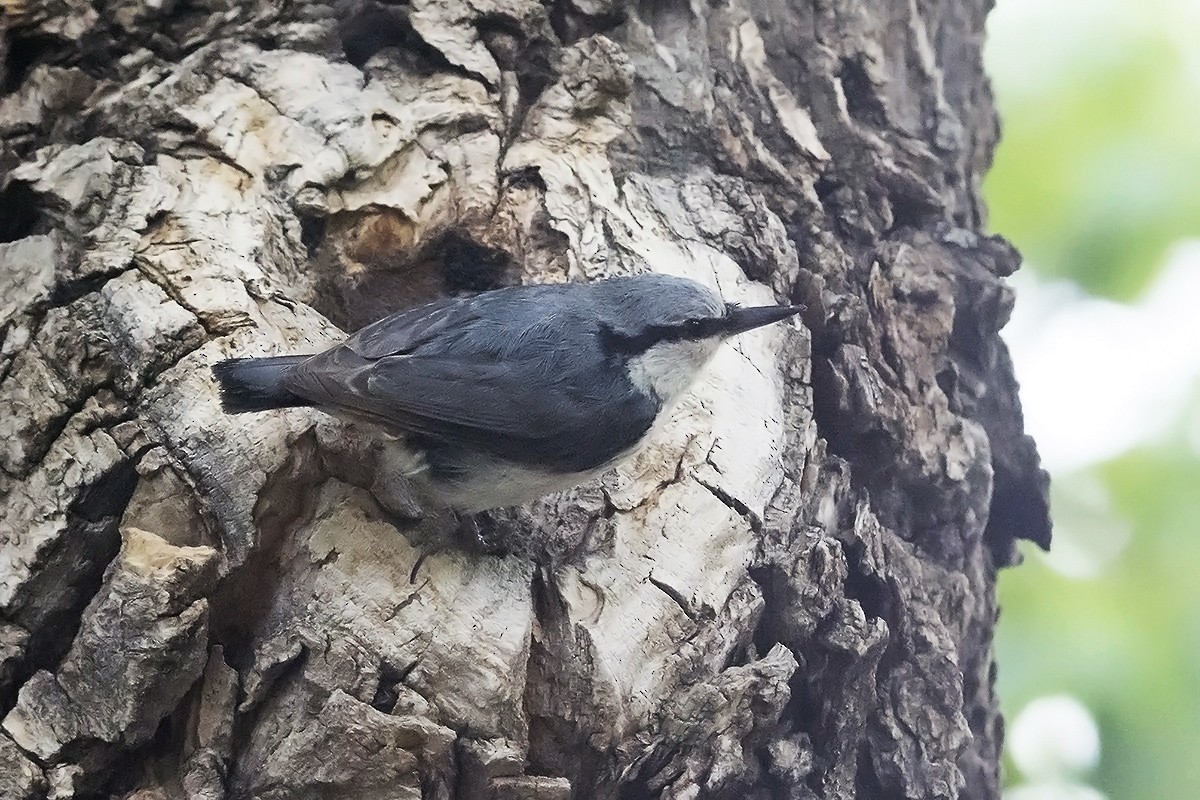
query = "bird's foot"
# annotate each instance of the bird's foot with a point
(479, 534)
(397, 498)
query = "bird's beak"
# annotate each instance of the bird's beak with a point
(740, 320)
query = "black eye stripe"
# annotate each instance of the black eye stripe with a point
(687, 330)
(705, 327)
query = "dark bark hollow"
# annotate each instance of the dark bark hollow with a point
(789, 594)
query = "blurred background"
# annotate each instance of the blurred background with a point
(1097, 181)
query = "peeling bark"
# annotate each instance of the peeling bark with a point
(789, 593)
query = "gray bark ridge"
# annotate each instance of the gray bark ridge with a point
(789, 593)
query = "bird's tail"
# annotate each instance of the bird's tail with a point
(257, 384)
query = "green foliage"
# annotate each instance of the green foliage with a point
(1096, 173)
(1096, 177)
(1125, 641)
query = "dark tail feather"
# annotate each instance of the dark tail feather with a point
(257, 384)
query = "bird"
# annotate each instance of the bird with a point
(497, 399)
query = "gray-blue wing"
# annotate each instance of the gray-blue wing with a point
(533, 412)
(407, 330)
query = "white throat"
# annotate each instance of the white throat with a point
(667, 369)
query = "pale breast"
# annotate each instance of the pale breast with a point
(667, 369)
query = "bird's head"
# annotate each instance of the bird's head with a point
(670, 327)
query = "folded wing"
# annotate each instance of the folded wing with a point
(533, 410)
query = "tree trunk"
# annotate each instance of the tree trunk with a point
(790, 593)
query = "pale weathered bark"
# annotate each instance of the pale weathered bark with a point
(790, 594)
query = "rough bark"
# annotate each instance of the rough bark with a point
(789, 594)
